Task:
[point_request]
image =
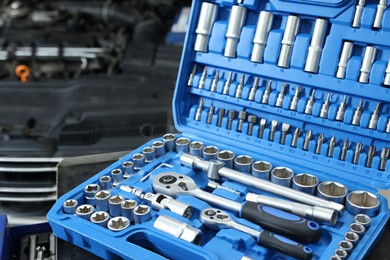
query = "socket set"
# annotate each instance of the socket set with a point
(284, 113)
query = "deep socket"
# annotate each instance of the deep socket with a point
(196, 148)
(294, 141)
(114, 205)
(199, 110)
(210, 115)
(138, 160)
(252, 121)
(261, 169)
(316, 45)
(282, 94)
(214, 83)
(210, 153)
(352, 237)
(331, 147)
(386, 82)
(320, 142)
(368, 61)
(341, 110)
(267, 92)
(385, 153)
(306, 183)
(274, 126)
(231, 116)
(358, 229)
(241, 120)
(105, 182)
(333, 191)
(242, 163)
(255, 86)
(118, 224)
(192, 76)
(101, 199)
(370, 156)
(207, 17)
(388, 126)
(291, 31)
(142, 214)
(149, 153)
(169, 140)
(182, 145)
(306, 143)
(346, 54)
(236, 22)
(344, 150)
(364, 220)
(358, 114)
(310, 103)
(221, 115)
(264, 25)
(228, 82)
(240, 87)
(358, 13)
(85, 211)
(127, 209)
(69, 206)
(380, 10)
(375, 117)
(128, 169)
(159, 148)
(100, 218)
(227, 157)
(203, 78)
(295, 100)
(285, 132)
(262, 125)
(356, 155)
(282, 176)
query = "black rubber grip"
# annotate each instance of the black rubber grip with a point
(284, 245)
(280, 222)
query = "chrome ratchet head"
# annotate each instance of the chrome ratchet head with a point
(173, 184)
(215, 218)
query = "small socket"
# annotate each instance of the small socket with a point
(227, 158)
(362, 202)
(357, 229)
(261, 169)
(101, 199)
(139, 161)
(342, 254)
(100, 218)
(105, 182)
(117, 176)
(282, 176)
(352, 237)
(114, 205)
(305, 182)
(346, 246)
(332, 191)
(69, 206)
(182, 145)
(243, 163)
(210, 153)
(149, 153)
(127, 209)
(118, 224)
(169, 140)
(159, 148)
(128, 169)
(85, 211)
(196, 148)
(364, 220)
(142, 214)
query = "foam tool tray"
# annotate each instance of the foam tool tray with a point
(283, 106)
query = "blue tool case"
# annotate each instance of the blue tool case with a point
(284, 112)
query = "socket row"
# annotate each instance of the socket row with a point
(380, 10)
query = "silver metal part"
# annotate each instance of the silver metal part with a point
(291, 31)
(139, 161)
(316, 45)
(356, 155)
(380, 10)
(240, 87)
(362, 202)
(105, 182)
(141, 214)
(294, 141)
(127, 209)
(100, 218)
(32, 245)
(310, 103)
(320, 214)
(375, 117)
(214, 83)
(246, 179)
(182, 145)
(341, 110)
(128, 168)
(116, 176)
(333, 191)
(228, 82)
(196, 148)
(114, 205)
(159, 148)
(85, 211)
(241, 120)
(325, 107)
(90, 191)
(236, 22)
(255, 86)
(192, 76)
(388, 126)
(306, 183)
(340, 253)
(210, 152)
(358, 114)
(178, 229)
(385, 154)
(169, 140)
(282, 94)
(346, 245)
(368, 61)
(264, 25)
(261, 169)
(263, 123)
(344, 150)
(346, 54)
(306, 143)
(267, 92)
(358, 13)
(358, 229)
(295, 100)
(161, 201)
(221, 115)
(70, 206)
(242, 163)
(203, 78)
(285, 132)
(386, 82)
(227, 157)
(320, 142)
(352, 237)
(274, 126)
(282, 176)
(370, 156)
(364, 220)
(331, 147)
(252, 121)
(231, 116)
(208, 15)
(214, 185)
(149, 153)
(199, 110)
(101, 199)
(118, 224)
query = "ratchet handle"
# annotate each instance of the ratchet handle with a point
(280, 222)
(284, 245)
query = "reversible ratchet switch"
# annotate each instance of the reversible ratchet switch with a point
(216, 219)
(298, 228)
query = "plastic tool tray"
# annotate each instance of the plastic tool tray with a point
(282, 92)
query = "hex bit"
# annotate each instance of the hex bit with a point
(385, 153)
(325, 107)
(341, 110)
(370, 156)
(263, 123)
(285, 131)
(295, 100)
(282, 94)
(358, 151)
(214, 83)
(306, 143)
(228, 82)
(254, 88)
(294, 142)
(210, 115)
(192, 76)
(241, 120)
(358, 114)
(240, 87)
(252, 121)
(332, 145)
(310, 103)
(274, 126)
(221, 115)
(203, 78)
(320, 142)
(374, 117)
(231, 116)
(267, 92)
(199, 111)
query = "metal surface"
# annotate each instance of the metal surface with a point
(358, 13)
(368, 61)
(346, 54)
(316, 45)
(332, 191)
(208, 15)
(264, 25)
(236, 22)
(291, 31)
(141, 214)
(362, 202)
(118, 224)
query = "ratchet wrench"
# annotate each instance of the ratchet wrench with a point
(217, 219)
(298, 228)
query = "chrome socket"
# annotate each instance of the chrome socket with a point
(243, 163)
(142, 214)
(291, 31)
(306, 183)
(117, 176)
(149, 153)
(210, 153)
(69, 206)
(169, 140)
(182, 145)
(236, 22)
(118, 224)
(380, 10)
(105, 182)
(358, 13)
(340, 253)
(359, 229)
(364, 220)
(178, 229)
(127, 169)
(139, 161)
(282, 176)
(368, 61)
(207, 17)
(261, 169)
(89, 193)
(352, 237)
(85, 211)
(386, 82)
(346, 246)
(227, 157)
(264, 25)
(332, 191)
(362, 202)
(100, 218)
(114, 205)
(101, 199)
(160, 201)
(159, 148)
(127, 209)
(317, 42)
(346, 54)
(196, 148)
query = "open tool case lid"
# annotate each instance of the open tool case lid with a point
(339, 15)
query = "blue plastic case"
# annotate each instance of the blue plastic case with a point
(143, 241)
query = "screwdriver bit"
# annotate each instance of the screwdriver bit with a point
(358, 114)
(370, 156)
(228, 82)
(252, 121)
(310, 103)
(380, 10)
(341, 110)
(385, 153)
(279, 100)
(215, 81)
(294, 102)
(325, 107)
(308, 137)
(231, 116)
(210, 115)
(274, 126)
(388, 126)
(294, 142)
(285, 131)
(199, 111)
(320, 142)
(192, 76)
(374, 117)
(356, 156)
(221, 115)
(332, 145)
(254, 88)
(263, 123)
(241, 120)
(203, 78)
(344, 150)
(240, 87)
(267, 92)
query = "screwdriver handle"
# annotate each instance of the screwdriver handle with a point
(280, 222)
(284, 245)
